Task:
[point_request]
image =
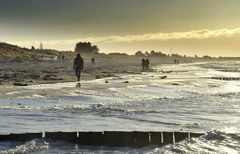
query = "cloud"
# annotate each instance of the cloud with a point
(198, 34)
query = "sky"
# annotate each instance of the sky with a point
(202, 27)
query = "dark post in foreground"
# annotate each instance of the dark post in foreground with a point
(107, 138)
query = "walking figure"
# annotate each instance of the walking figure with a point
(78, 66)
(93, 60)
(175, 61)
(143, 63)
(147, 64)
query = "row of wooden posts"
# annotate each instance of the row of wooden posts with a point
(107, 138)
(226, 78)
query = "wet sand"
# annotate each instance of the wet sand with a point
(23, 73)
(17, 76)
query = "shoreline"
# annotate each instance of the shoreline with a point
(64, 87)
(25, 73)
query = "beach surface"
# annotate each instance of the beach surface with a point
(31, 72)
(192, 97)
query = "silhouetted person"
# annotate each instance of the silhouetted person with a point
(143, 64)
(63, 57)
(93, 60)
(147, 64)
(175, 61)
(78, 66)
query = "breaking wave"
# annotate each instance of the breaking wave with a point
(28, 147)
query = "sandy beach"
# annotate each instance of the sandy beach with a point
(31, 72)
(17, 75)
(122, 76)
(170, 97)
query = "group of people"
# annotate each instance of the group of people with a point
(145, 63)
(79, 63)
(176, 61)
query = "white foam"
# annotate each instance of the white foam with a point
(28, 147)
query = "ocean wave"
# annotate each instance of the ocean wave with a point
(28, 147)
(152, 121)
(216, 141)
(16, 107)
(213, 142)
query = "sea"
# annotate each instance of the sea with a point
(194, 97)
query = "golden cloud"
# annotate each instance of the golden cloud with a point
(197, 34)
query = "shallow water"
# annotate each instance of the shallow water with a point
(187, 100)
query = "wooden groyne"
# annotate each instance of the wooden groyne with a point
(107, 138)
(226, 78)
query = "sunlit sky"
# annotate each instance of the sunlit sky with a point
(202, 27)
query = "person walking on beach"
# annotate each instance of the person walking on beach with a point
(147, 64)
(93, 60)
(143, 63)
(78, 66)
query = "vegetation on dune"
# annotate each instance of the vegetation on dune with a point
(14, 52)
(8, 51)
(86, 47)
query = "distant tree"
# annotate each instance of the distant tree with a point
(117, 54)
(41, 46)
(176, 55)
(95, 49)
(32, 48)
(147, 54)
(152, 53)
(162, 54)
(157, 54)
(139, 53)
(207, 57)
(195, 56)
(86, 47)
